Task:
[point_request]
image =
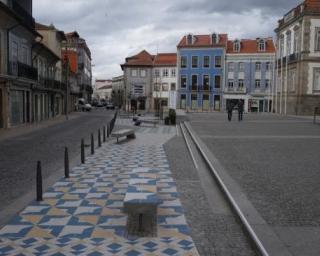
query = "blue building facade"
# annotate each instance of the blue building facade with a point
(201, 72)
(250, 74)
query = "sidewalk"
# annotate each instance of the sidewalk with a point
(83, 215)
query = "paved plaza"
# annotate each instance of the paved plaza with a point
(83, 215)
(276, 162)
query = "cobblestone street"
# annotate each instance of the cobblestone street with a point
(275, 160)
(20, 153)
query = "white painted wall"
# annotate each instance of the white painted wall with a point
(311, 66)
(314, 23)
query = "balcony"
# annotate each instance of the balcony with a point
(193, 88)
(235, 90)
(20, 11)
(206, 88)
(260, 91)
(293, 57)
(23, 70)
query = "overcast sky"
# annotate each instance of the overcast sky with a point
(115, 29)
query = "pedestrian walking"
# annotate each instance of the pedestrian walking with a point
(229, 109)
(240, 110)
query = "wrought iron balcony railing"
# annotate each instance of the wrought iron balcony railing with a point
(22, 70)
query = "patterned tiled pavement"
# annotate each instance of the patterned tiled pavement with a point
(83, 215)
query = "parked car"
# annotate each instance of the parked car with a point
(82, 105)
(109, 106)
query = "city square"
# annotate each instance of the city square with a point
(159, 128)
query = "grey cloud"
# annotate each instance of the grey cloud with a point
(115, 29)
(233, 6)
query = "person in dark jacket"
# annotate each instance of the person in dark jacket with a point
(240, 109)
(229, 109)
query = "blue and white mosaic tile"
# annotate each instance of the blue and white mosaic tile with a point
(83, 215)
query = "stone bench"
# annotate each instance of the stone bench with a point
(141, 203)
(129, 133)
(147, 121)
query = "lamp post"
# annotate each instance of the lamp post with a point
(66, 66)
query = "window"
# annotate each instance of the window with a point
(281, 46)
(157, 73)
(206, 61)
(268, 66)
(217, 61)
(236, 46)
(217, 82)
(230, 83)
(316, 79)
(156, 87)
(241, 83)
(173, 86)
(183, 82)
(288, 42)
(183, 61)
(165, 72)
(262, 45)
(24, 55)
(296, 40)
(267, 83)
(230, 67)
(194, 61)
(173, 72)
(14, 56)
(206, 80)
(317, 35)
(194, 80)
(257, 84)
(189, 39)
(258, 66)
(134, 72)
(165, 87)
(241, 66)
(143, 73)
(292, 80)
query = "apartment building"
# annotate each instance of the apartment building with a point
(18, 76)
(164, 87)
(298, 60)
(250, 74)
(201, 60)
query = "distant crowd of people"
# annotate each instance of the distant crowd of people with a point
(230, 107)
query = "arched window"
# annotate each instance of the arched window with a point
(236, 46)
(189, 39)
(262, 45)
(214, 38)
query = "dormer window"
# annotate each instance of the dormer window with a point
(189, 39)
(236, 46)
(214, 38)
(261, 45)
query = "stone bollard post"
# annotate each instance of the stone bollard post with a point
(104, 134)
(99, 138)
(92, 144)
(39, 182)
(66, 163)
(82, 152)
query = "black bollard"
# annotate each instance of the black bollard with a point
(104, 134)
(140, 229)
(82, 152)
(66, 163)
(92, 144)
(39, 182)
(99, 138)
(108, 130)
